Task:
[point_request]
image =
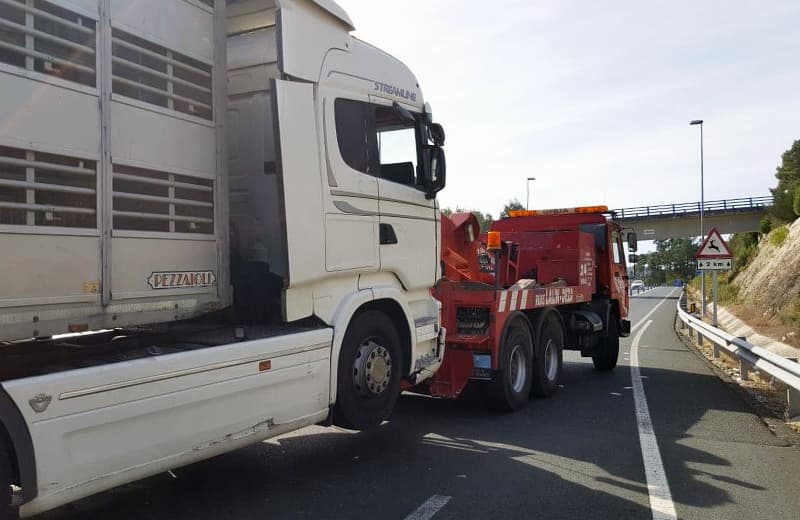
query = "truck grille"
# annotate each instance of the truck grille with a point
(472, 321)
(41, 189)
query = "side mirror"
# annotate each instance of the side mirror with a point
(436, 133)
(633, 258)
(434, 169)
(633, 242)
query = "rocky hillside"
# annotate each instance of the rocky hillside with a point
(771, 283)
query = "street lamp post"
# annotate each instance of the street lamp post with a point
(702, 209)
(528, 195)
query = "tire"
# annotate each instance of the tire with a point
(370, 369)
(607, 353)
(6, 479)
(550, 357)
(511, 385)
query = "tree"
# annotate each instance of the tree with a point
(788, 175)
(512, 205)
(673, 258)
(797, 200)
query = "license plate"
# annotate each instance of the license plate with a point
(481, 366)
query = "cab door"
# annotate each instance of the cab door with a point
(620, 289)
(408, 233)
(351, 205)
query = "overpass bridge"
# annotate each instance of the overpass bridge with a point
(682, 220)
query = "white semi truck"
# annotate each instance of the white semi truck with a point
(218, 223)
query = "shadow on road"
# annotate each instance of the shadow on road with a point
(575, 455)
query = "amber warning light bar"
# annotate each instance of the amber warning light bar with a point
(557, 211)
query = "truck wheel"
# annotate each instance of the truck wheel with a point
(6, 480)
(547, 365)
(370, 368)
(607, 352)
(511, 385)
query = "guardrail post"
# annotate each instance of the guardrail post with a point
(744, 369)
(792, 403)
(716, 351)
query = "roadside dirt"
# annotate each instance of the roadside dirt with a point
(769, 289)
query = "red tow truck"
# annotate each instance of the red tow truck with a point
(513, 299)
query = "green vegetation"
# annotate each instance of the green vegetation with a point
(788, 175)
(745, 248)
(790, 315)
(797, 201)
(673, 259)
(728, 292)
(778, 236)
(765, 226)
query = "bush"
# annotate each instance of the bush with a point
(727, 292)
(766, 226)
(778, 236)
(745, 248)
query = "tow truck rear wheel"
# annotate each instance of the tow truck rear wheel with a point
(7, 512)
(370, 368)
(511, 385)
(607, 353)
(547, 365)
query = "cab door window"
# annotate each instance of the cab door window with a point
(375, 140)
(355, 133)
(397, 140)
(617, 247)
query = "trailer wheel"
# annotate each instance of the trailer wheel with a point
(370, 368)
(511, 385)
(607, 353)
(7, 512)
(547, 365)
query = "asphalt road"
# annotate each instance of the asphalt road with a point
(575, 455)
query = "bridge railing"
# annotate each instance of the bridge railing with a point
(694, 207)
(750, 357)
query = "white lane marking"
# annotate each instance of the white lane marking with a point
(661, 505)
(659, 304)
(502, 306)
(429, 508)
(514, 295)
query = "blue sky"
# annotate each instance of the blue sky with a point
(594, 98)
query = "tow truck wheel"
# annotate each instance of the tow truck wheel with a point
(547, 365)
(605, 357)
(370, 368)
(511, 386)
(7, 512)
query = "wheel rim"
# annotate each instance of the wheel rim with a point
(372, 369)
(517, 369)
(551, 360)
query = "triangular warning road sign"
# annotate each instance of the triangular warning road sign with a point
(714, 246)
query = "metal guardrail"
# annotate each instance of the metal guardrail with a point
(751, 357)
(694, 207)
